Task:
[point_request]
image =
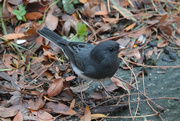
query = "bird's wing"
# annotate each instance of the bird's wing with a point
(79, 53)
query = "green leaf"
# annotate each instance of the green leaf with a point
(68, 6)
(75, 1)
(81, 29)
(18, 17)
(21, 7)
(15, 12)
(78, 39)
(81, 39)
(20, 13)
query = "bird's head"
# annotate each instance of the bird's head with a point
(106, 52)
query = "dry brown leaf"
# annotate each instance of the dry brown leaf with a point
(36, 105)
(130, 27)
(178, 42)
(83, 1)
(66, 95)
(97, 95)
(15, 2)
(67, 26)
(13, 36)
(135, 53)
(56, 87)
(60, 108)
(5, 119)
(121, 84)
(139, 33)
(33, 15)
(88, 11)
(18, 28)
(95, 116)
(165, 30)
(18, 117)
(43, 115)
(162, 43)
(15, 99)
(70, 78)
(51, 20)
(9, 8)
(87, 114)
(80, 88)
(72, 104)
(155, 50)
(110, 20)
(123, 41)
(7, 112)
(103, 13)
(48, 54)
(111, 87)
(149, 53)
(163, 18)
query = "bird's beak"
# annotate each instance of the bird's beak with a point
(121, 48)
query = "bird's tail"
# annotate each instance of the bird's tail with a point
(53, 37)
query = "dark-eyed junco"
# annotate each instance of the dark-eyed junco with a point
(88, 61)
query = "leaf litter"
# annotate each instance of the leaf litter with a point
(36, 80)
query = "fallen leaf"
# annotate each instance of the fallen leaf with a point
(59, 108)
(18, 117)
(33, 16)
(96, 116)
(97, 95)
(130, 27)
(162, 43)
(43, 115)
(178, 42)
(163, 18)
(36, 105)
(5, 119)
(121, 84)
(15, 99)
(87, 114)
(123, 41)
(51, 20)
(56, 87)
(7, 112)
(70, 78)
(111, 87)
(101, 13)
(13, 36)
(80, 88)
(124, 12)
(72, 104)
(66, 95)
(149, 53)
(110, 20)
(165, 30)
(83, 1)
(88, 11)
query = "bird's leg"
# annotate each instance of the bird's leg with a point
(106, 90)
(82, 96)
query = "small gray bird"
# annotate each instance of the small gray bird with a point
(89, 62)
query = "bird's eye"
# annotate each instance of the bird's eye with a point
(111, 49)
